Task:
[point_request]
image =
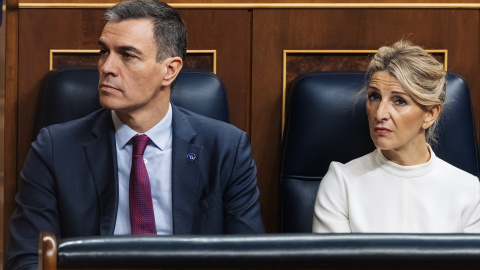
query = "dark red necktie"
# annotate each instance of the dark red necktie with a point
(142, 217)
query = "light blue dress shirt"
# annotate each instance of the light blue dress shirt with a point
(158, 160)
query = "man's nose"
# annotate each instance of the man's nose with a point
(107, 65)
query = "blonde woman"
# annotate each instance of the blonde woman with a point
(402, 186)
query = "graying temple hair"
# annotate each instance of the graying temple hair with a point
(420, 74)
(168, 27)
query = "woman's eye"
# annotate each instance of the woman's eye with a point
(373, 96)
(401, 102)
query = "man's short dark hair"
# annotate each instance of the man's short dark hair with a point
(169, 29)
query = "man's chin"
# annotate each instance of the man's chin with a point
(108, 103)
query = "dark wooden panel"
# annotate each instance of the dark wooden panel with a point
(303, 62)
(229, 33)
(205, 61)
(74, 59)
(64, 29)
(11, 86)
(342, 29)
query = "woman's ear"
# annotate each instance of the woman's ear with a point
(173, 65)
(431, 115)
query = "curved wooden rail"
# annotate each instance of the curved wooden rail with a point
(47, 251)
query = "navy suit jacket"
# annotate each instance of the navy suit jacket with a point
(69, 183)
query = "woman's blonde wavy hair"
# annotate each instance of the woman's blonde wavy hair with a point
(420, 74)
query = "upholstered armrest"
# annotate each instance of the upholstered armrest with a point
(270, 251)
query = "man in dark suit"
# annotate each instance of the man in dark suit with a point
(78, 176)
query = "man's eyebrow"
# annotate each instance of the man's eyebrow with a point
(124, 48)
(127, 48)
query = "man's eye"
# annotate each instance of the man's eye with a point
(103, 52)
(127, 55)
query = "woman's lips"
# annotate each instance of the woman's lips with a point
(381, 131)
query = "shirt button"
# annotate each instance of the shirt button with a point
(145, 160)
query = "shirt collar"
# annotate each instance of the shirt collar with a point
(405, 171)
(160, 134)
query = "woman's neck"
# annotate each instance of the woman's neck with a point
(414, 154)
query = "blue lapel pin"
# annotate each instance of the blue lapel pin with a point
(191, 156)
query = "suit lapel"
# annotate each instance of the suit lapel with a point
(186, 158)
(101, 156)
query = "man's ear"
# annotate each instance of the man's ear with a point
(173, 65)
(431, 116)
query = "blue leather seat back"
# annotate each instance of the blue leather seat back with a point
(327, 122)
(457, 140)
(71, 92)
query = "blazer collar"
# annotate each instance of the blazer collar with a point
(101, 156)
(186, 160)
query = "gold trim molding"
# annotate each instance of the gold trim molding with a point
(270, 5)
(213, 52)
(53, 51)
(285, 52)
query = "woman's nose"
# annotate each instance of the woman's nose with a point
(383, 111)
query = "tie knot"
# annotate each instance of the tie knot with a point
(139, 144)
